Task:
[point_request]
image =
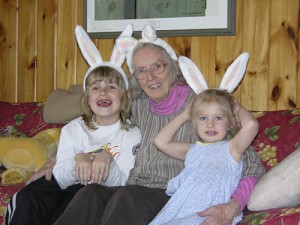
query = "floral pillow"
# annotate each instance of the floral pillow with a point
(278, 135)
(11, 131)
(282, 216)
(6, 192)
(22, 119)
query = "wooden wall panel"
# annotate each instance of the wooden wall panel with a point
(39, 52)
(203, 54)
(66, 43)
(8, 55)
(81, 65)
(283, 53)
(181, 45)
(256, 29)
(105, 47)
(46, 48)
(26, 66)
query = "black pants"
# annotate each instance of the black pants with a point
(128, 205)
(39, 203)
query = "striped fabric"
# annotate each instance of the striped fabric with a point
(153, 168)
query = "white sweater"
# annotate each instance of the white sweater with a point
(77, 138)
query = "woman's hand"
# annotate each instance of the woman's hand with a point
(45, 170)
(222, 214)
(100, 167)
(83, 168)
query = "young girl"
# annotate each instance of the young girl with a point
(213, 165)
(99, 147)
(96, 148)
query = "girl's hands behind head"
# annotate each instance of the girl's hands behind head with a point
(187, 110)
(237, 108)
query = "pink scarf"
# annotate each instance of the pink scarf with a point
(173, 102)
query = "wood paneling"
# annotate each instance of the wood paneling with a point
(66, 43)
(26, 54)
(283, 53)
(39, 53)
(8, 50)
(46, 48)
(256, 32)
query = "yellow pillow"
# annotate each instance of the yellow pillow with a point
(23, 156)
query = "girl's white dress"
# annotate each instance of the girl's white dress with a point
(209, 178)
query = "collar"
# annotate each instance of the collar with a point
(173, 103)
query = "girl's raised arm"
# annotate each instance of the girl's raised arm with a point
(163, 140)
(247, 133)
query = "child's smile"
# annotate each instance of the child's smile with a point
(104, 103)
(212, 125)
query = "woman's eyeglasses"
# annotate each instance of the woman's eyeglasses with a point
(155, 69)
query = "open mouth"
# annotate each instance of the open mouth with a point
(211, 132)
(154, 86)
(104, 103)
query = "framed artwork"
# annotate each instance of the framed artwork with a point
(107, 18)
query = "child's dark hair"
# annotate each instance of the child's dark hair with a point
(106, 73)
(226, 103)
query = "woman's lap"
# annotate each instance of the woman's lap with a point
(87, 206)
(134, 205)
(96, 204)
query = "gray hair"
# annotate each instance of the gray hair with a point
(175, 73)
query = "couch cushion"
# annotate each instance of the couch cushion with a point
(26, 118)
(282, 216)
(6, 192)
(11, 131)
(62, 106)
(278, 135)
(279, 187)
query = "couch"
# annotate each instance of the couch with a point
(26, 143)
(276, 197)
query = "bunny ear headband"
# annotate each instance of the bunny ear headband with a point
(93, 56)
(127, 44)
(230, 80)
(190, 71)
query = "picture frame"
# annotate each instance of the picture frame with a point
(219, 21)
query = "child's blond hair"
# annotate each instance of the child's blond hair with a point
(106, 73)
(224, 100)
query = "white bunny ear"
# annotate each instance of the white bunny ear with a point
(148, 33)
(87, 47)
(93, 56)
(125, 44)
(148, 36)
(118, 56)
(235, 73)
(192, 75)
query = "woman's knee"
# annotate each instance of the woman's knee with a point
(128, 194)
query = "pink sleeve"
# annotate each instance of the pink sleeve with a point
(244, 189)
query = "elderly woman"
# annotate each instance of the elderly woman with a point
(162, 94)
